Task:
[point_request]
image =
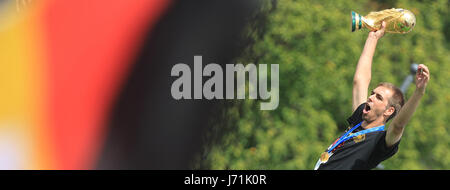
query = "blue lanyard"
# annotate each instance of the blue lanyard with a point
(345, 137)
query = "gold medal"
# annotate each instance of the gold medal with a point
(324, 157)
(359, 138)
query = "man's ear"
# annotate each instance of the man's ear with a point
(389, 111)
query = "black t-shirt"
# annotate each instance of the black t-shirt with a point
(362, 153)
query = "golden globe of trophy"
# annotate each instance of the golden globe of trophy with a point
(397, 20)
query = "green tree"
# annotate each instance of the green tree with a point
(317, 54)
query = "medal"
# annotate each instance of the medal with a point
(324, 157)
(359, 138)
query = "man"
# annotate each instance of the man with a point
(366, 143)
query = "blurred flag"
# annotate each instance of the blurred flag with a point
(61, 64)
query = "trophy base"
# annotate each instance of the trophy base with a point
(356, 21)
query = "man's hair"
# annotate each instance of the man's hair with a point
(397, 100)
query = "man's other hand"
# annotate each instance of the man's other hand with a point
(422, 77)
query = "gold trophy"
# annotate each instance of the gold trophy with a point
(397, 20)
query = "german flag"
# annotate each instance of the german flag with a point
(84, 84)
(61, 66)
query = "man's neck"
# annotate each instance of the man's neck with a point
(367, 125)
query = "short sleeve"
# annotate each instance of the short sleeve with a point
(381, 152)
(356, 116)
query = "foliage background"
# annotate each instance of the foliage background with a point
(317, 53)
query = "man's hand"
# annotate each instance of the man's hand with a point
(422, 77)
(379, 33)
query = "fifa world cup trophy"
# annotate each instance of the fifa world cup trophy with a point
(397, 20)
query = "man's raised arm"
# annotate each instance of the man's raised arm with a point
(363, 72)
(395, 130)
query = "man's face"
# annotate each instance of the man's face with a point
(376, 105)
